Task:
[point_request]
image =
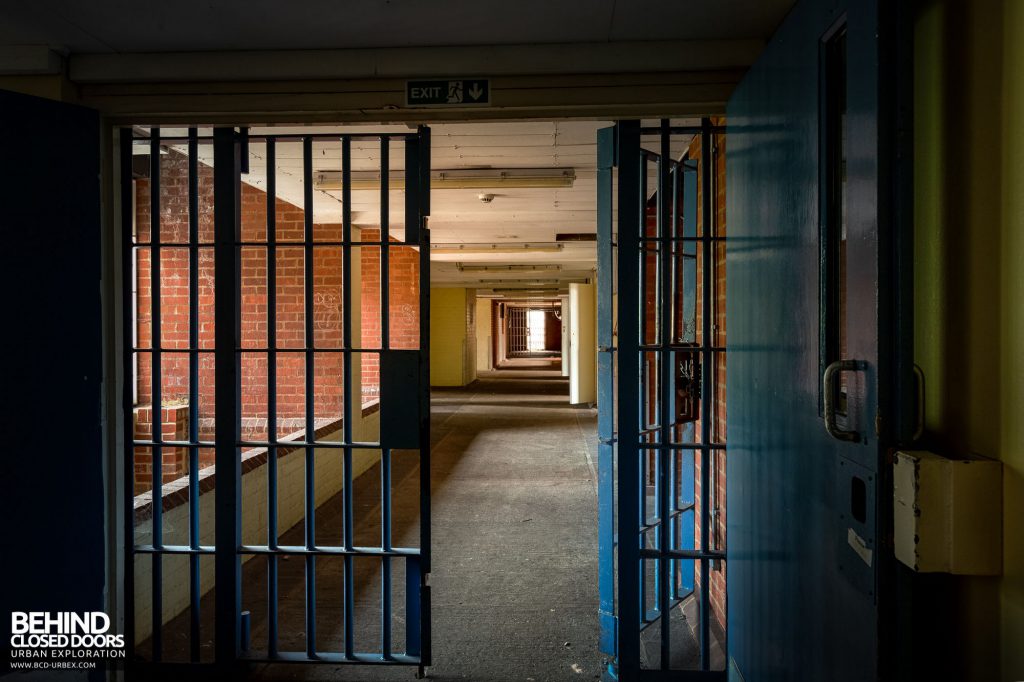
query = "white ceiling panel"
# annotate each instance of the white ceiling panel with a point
(458, 216)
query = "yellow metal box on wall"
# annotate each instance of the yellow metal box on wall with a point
(947, 513)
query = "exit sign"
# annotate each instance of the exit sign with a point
(460, 92)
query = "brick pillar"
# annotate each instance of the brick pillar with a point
(173, 426)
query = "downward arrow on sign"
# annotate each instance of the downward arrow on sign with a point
(476, 91)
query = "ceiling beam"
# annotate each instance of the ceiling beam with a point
(414, 62)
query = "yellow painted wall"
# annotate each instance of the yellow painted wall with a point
(969, 292)
(484, 345)
(1011, 439)
(451, 338)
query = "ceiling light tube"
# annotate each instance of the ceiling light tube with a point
(507, 268)
(477, 249)
(473, 178)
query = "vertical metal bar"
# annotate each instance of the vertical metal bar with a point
(642, 377)
(157, 398)
(307, 212)
(193, 390)
(674, 290)
(385, 578)
(243, 151)
(385, 453)
(629, 203)
(351, 298)
(605, 392)
(227, 205)
(385, 229)
(272, 596)
(665, 454)
(414, 227)
(707, 216)
(128, 321)
(423, 188)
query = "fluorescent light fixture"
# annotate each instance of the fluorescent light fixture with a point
(523, 282)
(520, 290)
(473, 178)
(508, 268)
(478, 249)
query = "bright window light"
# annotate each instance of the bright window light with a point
(535, 322)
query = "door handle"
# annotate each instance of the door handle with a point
(919, 427)
(829, 387)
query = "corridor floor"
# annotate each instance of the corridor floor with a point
(514, 581)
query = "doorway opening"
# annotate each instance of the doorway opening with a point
(319, 305)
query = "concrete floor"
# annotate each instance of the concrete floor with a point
(514, 582)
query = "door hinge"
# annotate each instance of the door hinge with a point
(878, 423)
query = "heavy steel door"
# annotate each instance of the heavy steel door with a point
(819, 326)
(272, 331)
(53, 500)
(661, 445)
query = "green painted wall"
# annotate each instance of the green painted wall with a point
(969, 289)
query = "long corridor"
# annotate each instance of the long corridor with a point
(514, 582)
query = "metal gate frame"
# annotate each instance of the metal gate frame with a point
(409, 410)
(624, 435)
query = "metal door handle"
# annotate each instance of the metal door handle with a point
(829, 388)
(919, 429)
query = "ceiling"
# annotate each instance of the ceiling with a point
(140, 29)
(119, 26)
(514, 219)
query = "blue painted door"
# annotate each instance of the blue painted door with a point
(817, 332)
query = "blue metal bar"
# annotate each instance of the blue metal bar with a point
(666, 389)
(227, 212)
(129, 379)
(174, 549)
(385, 486)
(706, 458)
(272, 533)
(605, 393)
(630, 205)
(423, 190)
(385, 455)
(687, 481)
(376, 444)
(673, 274)
(193, 391)
(385, 230)
(357, 658)
(376, 552)
(350, 300)
(156, 404)
(643, 374)
(332, 137)
(307, 211)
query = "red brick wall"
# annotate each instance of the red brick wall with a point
(174, 426)
(290, 294)
(404, 304)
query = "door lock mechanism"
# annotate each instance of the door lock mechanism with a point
(688, 387)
